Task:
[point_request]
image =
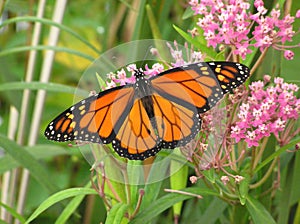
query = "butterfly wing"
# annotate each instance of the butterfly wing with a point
(176, 124)
(141, 136)
(178, 95)
(200, 85)
(137, 138)
(95, 119)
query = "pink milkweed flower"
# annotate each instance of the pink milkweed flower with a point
(267, 111)
(231, 23)
(289, 55)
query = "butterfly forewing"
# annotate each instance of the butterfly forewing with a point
(95, 119)
(200, 85)
(229, 74)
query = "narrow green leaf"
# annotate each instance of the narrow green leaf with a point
(210, 175)
(277, 153)
(139, 20)
(100, 80)
(166, 202)
(57, 197)
(51, 23)
(258, 212)
(203, 48)
(157, 173)
(243, 189)
(188, 13)
(5, 52)
(135, 178)
(297, 214)
(29, 162)
(13, 212)
(116, 214)
(153, 23)
(214, 211)
(295, 194)
(285, 194)
(53, 87)
(71, 207)
(38, 152)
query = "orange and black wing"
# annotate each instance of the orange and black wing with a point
(200, 85)
(137, 138)
(176, 124)
(140, 136)
(95, 119)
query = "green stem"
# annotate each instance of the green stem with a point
(259, 61)
(265, 177)
(260, 152)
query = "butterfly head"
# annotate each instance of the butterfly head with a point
(138, 73)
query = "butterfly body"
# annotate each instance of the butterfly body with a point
(160, 112)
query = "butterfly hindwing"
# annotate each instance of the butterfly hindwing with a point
(141, 136)
(137, 137)
(176, 124)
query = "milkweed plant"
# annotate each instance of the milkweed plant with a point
(243, 165)
(260, 123)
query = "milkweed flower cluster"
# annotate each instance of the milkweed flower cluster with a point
(267, 111)
(230, 22)
(126, 76)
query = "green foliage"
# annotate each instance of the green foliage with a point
(56, 172)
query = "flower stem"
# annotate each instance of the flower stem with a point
(259, 61)
(265, 177)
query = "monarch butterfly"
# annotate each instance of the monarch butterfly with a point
(160, 112)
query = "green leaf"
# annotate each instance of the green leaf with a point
(100, 80)
(38, 152)
(243, 189)
(188, 13)
(153, 23)
(138, 26)
(135, 178)
(277, 153)
(51, 23)
(258, 212)
(53, 87)
(286, 193)
(29, 162)
(165, 202)
(158, 172)
(209, 175)
(203, 48)
(6, 52)
(71, 207)
(116, 213)
(57, 197)
(13, 212)
(214, 211)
